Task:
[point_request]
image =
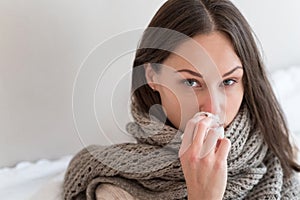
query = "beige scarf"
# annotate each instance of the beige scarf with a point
(151, 169)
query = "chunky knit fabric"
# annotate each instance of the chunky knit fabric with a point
(151, 168)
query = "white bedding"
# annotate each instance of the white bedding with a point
(43, 179)
(38, 180)
(286, 83)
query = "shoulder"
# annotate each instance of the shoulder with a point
(109, 191)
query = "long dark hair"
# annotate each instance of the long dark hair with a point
(194, 17)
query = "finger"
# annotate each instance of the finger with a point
(200, 133)
(188, 134)
(223, 148)
(209, 143)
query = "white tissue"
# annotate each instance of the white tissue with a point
(213, 133)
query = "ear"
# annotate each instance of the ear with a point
(150, 75)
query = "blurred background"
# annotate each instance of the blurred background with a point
(44, 44)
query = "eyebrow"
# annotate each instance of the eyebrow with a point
(200, 75)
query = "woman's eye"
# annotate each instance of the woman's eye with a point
(228, 82)
(191, 82)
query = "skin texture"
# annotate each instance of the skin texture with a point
(218, 91)
(182, 100)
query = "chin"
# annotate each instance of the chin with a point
(226, 124)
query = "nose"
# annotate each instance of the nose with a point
(209, 106)
(211, 103)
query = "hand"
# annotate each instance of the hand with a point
(205, 177)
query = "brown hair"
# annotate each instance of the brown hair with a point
(194, 17)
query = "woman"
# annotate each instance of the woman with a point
(195, 56)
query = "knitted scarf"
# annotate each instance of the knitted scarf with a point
(150, 168)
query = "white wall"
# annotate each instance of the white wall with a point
(43, 43)
(277, 25)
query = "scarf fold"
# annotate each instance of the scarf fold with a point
(150, 169)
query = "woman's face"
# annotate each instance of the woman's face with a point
(205, 79)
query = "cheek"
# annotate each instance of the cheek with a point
(178, 108)
(234, 102)
(170, 105)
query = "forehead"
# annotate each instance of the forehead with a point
(214, 50)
